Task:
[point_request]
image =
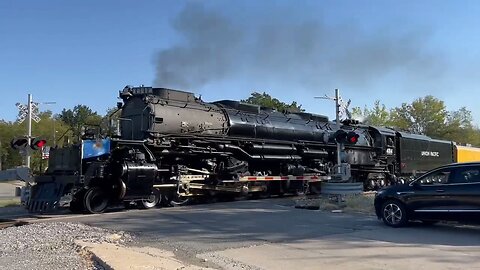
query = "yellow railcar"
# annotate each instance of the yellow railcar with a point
(466, 153)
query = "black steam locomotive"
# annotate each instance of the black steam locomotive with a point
(172, 146)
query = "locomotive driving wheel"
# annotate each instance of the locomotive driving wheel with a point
(179, 200)
(95, 200)
(152, 200)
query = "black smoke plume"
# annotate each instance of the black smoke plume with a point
(278, 48)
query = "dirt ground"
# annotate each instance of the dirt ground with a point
(119, 257)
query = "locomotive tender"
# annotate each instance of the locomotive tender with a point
(173, 146)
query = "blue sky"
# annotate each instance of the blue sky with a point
(84, 52)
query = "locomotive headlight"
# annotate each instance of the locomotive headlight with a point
(389, 151)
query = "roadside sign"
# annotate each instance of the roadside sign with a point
(45, 152)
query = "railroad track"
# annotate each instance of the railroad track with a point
(10, 220)
(5, 223)
(17, 219)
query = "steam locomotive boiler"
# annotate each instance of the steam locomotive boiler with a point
(229, 139)
(172, 146)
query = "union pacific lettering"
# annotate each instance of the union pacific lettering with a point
(430, 154)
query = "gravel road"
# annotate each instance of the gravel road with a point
(52, 246)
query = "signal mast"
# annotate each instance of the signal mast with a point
(341, 137)
(29, 112)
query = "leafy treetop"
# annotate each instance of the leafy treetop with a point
(265, 100)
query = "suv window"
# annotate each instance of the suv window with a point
(436, 178)
(467, 174)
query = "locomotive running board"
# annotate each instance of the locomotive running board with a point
(192, 177)
(309, 178)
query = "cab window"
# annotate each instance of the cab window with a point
(469, 174)
(435, 178)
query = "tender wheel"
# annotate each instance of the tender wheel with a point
(151, 201)
(394, 214)
(96, 201)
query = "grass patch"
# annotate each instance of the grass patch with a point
(360, 203)
(9, 202)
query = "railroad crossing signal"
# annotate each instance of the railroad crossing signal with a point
(340, 136)
(29, 112)
(19, 143)
(343, 137)
(352, 137)
(23, 111)
(22, 143)
(38, 143)
(343, 108)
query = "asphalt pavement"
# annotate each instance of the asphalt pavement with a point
(272, 234)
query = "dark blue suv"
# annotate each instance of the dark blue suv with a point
(450, 192)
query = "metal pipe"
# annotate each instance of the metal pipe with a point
(315, 152)
(250, 157)
(29, 128)
(273, 149)
(337, 121)
(277, 157)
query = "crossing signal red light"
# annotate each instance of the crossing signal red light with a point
(340, 136)
(18, 143)
(352, 137)
(38, 143)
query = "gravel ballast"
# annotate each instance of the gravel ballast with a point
(52, 245)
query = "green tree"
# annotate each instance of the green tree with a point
(79, 117)
(427, 115)
(459, 127)
(379, 115)
(265, 100)
(110, 120)
(51, 128)
(9, 157)
(48, 128)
